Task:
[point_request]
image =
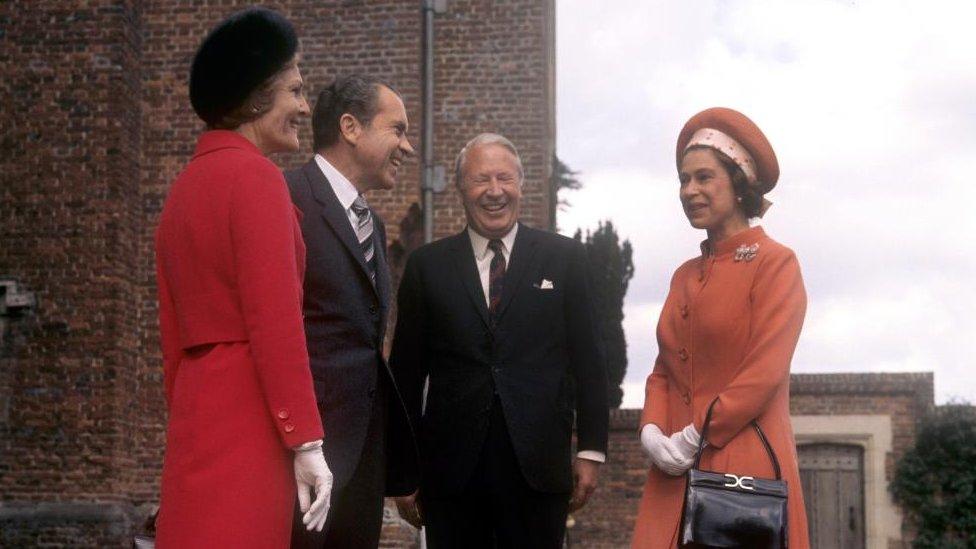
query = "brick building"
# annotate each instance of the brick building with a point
(95, 125)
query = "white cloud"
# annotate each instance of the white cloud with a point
(869, 106)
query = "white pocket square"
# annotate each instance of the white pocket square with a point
(545, 285)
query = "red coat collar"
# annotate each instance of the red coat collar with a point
(214, 140)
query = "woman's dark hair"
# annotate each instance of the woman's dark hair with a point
(236, 65)
(354, 94)
(254, 106)
(751, 204)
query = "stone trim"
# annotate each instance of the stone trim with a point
(873, 433)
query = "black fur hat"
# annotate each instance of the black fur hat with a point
(236, 57)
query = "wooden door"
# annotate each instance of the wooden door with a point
(833, 491)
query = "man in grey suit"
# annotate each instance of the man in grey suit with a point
(359, 127)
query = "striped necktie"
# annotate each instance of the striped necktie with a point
(364, 232)
(496, 276)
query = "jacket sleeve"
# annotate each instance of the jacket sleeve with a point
(778, 307)
(656, 399)
(264, 237)
(169, 333)
(587, 356)
(656, 387)
(407, 359)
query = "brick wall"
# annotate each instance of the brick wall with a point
(96, 124)
(904, 397)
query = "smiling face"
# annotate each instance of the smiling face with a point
(491, 189)
(277, 129)
(381, 146)
(707, 195)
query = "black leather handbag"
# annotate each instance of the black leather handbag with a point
(728, 510)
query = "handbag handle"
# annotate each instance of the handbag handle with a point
(762, 438)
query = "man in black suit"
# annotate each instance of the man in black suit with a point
(359, 127)
(499, 317)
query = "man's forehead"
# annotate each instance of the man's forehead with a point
(492, 151)
(391, 103)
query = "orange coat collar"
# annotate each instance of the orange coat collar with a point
(749, 236)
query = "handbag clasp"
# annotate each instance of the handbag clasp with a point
(739, 482)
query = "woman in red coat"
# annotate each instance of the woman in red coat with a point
(243, 424)
(726, 334)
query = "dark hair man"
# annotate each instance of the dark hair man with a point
(360, 129)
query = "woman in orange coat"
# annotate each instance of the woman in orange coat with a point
(727, 332)
(243, 427)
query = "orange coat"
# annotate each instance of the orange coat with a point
(728, 330)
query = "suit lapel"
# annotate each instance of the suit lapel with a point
(335, 216)
(382, 269)
(523, 254)
(468, 269)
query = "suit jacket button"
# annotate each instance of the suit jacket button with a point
(283, 414)
(289, 427)
(684, 311)
(372, 309)
(686, 397)
(683, 354)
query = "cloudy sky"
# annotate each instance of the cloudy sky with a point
(871, 107)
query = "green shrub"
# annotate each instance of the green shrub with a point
(935, 481)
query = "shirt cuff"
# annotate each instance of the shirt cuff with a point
(592, 455)
(311, 445)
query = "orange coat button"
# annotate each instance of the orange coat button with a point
(282, 414)
(686, 397)
(684, 311)
(683, 354)
(289, 427)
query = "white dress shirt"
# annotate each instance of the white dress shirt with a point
(344, 190)
(483, 256)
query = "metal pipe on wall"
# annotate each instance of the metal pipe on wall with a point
(427, 132)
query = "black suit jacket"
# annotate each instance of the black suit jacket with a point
(345, 323)
(542, 343)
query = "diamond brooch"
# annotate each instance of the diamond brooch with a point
(746, 253)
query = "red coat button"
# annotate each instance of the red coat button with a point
(683, 354)
(684, 311)
(289, 427)
(686, 397)
(283, 414)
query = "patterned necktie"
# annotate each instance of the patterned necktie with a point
(364, 232)
(496, 276)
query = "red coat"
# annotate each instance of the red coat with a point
(230, 258)
(728, 330)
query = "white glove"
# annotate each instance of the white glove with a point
(686, 442)
(662, 451)
(311, 472)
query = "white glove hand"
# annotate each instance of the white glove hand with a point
(662, 451)
(686, 441)
(312, 473)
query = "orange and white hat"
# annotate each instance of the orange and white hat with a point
(732, 133)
